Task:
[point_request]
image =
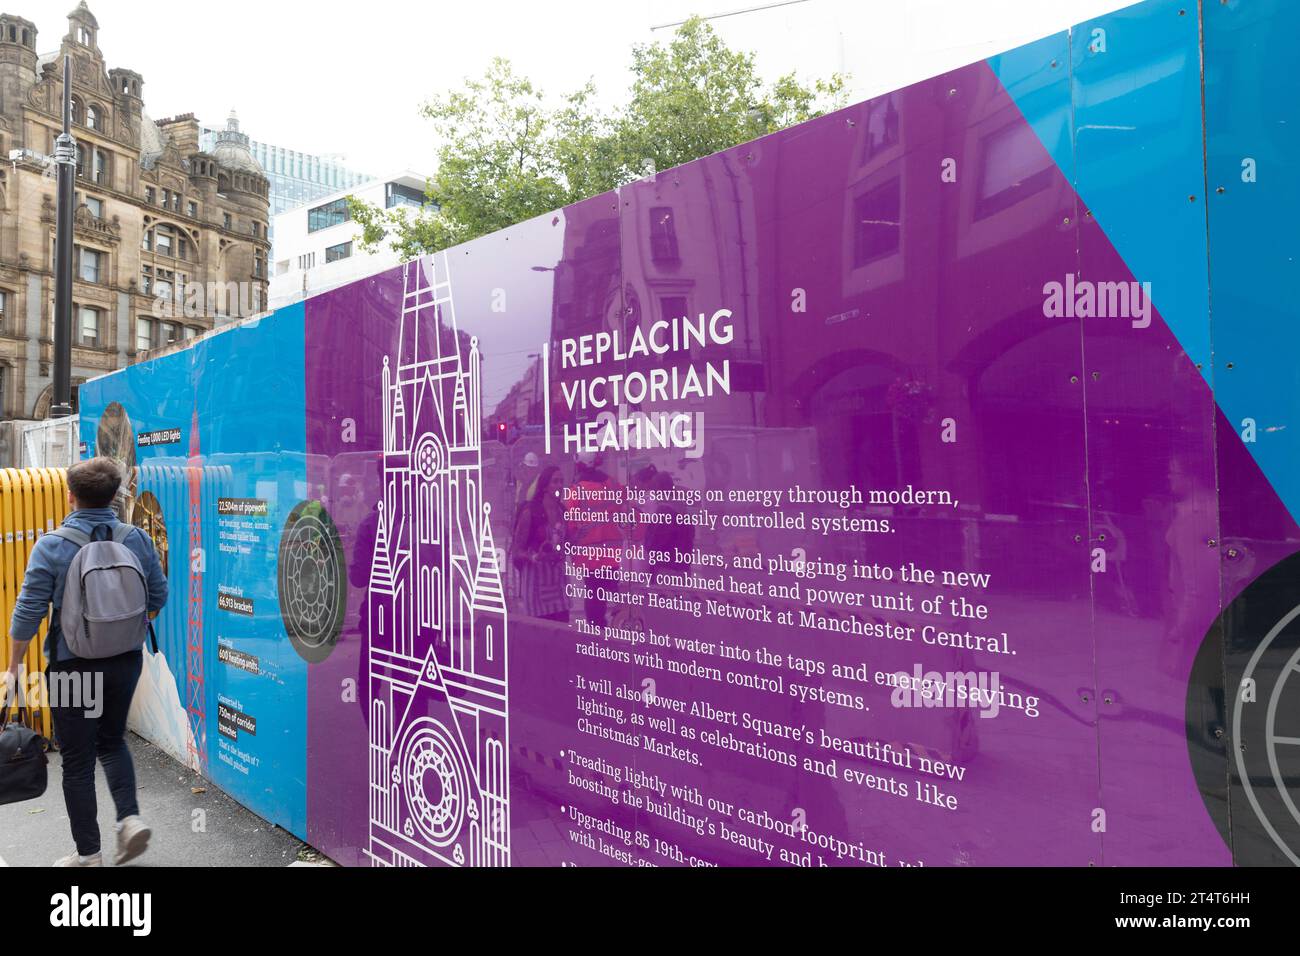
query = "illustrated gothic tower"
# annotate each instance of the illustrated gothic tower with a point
(439, 745)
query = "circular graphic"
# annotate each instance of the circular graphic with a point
(428, 459)
(1243, 710)
(312, 581)
(115, 438)
(148, 516)
(433, 781)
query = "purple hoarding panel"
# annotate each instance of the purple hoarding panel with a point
(1150, 439)
(881, 344)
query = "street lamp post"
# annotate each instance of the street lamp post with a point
(65, 160)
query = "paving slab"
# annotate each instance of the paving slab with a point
(194, 822)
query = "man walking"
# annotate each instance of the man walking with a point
(92, 728)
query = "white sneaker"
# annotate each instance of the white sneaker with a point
(132, 839)
(76, 859)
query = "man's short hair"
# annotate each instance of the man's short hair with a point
(94, 482)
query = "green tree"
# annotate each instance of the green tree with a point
(507, 155)
(697, 96)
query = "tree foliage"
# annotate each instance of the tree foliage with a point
(508, 155)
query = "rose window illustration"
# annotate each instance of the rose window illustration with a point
(312, 581)
(434, 782)
(427, 459)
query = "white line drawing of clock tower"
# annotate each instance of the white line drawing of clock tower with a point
(437, 695)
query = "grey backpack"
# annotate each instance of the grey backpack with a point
(106, 597)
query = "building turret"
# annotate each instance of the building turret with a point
(18, 59)
(83, 28)
(15, 32)
(128, 90)
(239, 172)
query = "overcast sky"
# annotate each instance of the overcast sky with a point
(349, 78)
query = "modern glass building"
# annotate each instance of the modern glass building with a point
(296, 177)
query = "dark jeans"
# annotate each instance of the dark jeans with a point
(92, 727)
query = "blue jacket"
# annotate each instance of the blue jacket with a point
(47, 570)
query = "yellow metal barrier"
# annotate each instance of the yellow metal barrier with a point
(33, 502)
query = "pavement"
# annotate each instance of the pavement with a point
(35, 832)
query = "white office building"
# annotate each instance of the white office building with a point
(318, 246)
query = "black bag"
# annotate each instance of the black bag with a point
(23, 763)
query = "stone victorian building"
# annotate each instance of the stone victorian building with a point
(170, 239)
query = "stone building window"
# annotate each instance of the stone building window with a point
(91, 264)
(4, 308)
(143, 334)
(149, 195)
(88, 327)
(193, 209)
(94, 118)
(164, 281)
(100, 168)
(100, 164)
